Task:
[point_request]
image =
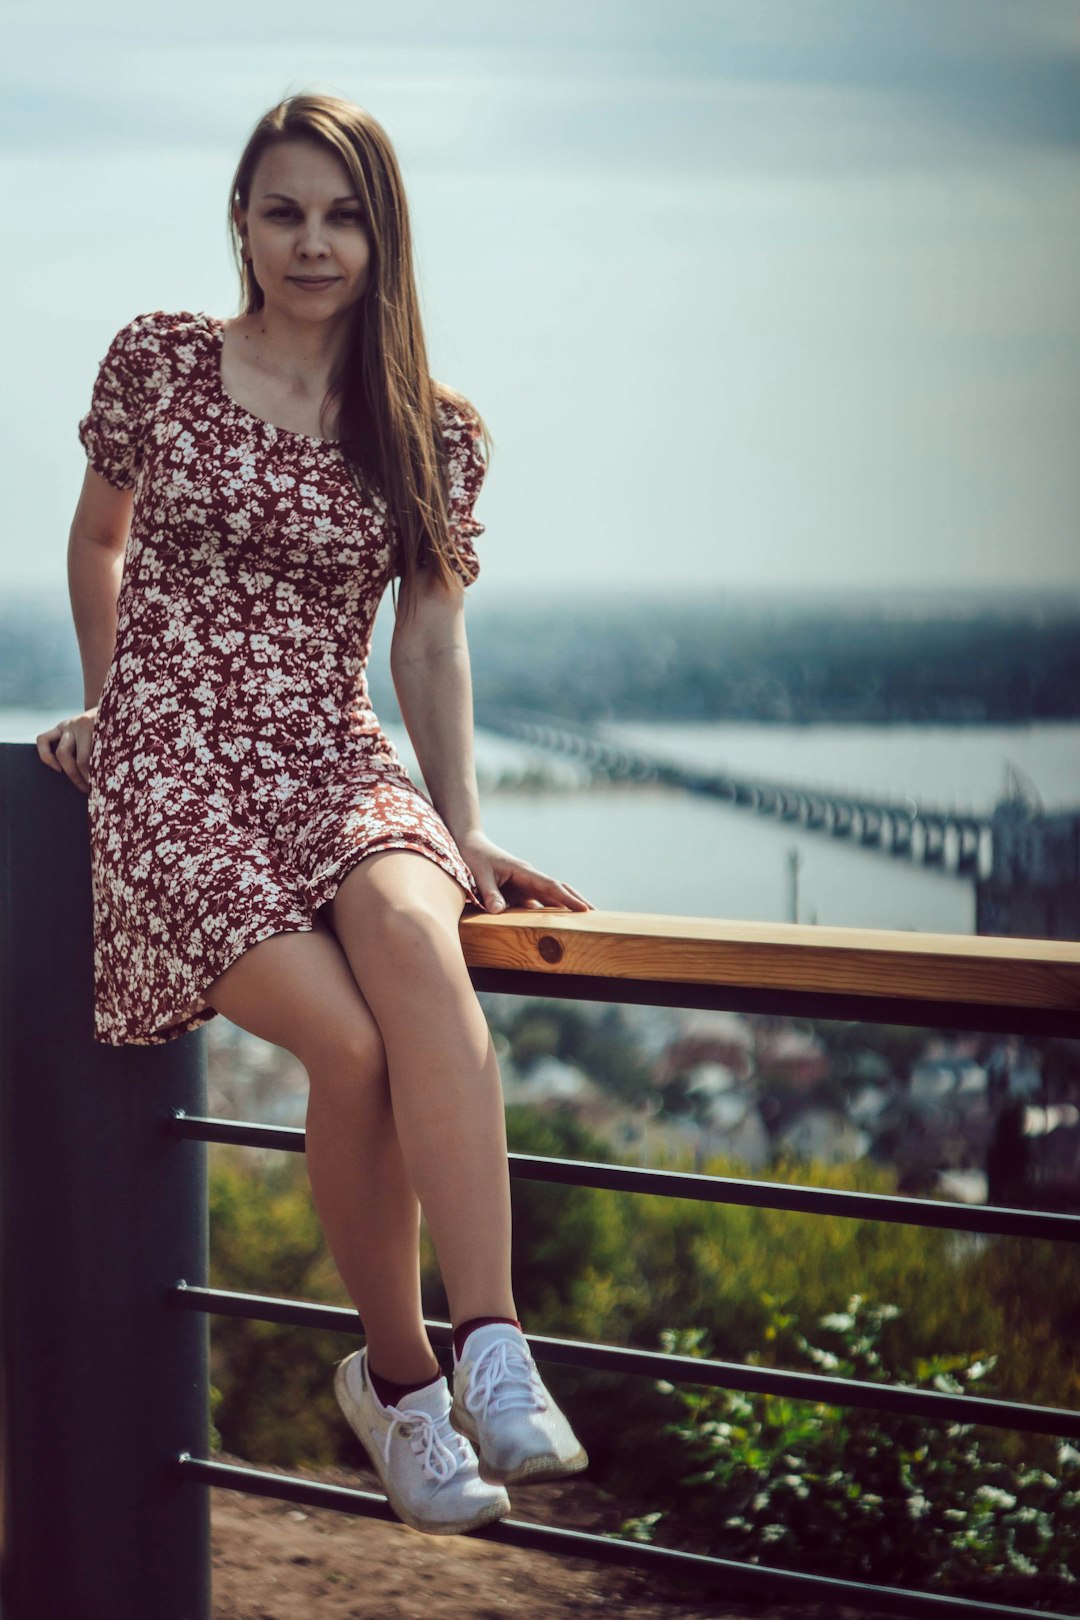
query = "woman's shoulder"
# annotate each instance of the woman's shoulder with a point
(465, 447)
(163, 320)
(452, 405)
(157, 341)
(460, 423)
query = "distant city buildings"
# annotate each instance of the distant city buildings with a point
(1034, 890)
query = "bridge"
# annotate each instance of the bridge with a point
(929, 835)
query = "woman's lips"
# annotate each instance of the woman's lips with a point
(312, 284)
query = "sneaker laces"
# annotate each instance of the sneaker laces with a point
(504, 1376)
(438, 1460)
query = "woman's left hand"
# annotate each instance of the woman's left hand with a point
(505, 881)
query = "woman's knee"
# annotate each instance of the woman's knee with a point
(347, 1051)
(399, 898)
(410, 926)
(396, 916)
(297, 990)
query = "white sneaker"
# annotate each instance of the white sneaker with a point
(428, 1471)
(501, 1405)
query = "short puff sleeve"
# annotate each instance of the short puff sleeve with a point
(112, 431)
(466, 467)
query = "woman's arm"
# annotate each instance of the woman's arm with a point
(95, 565)
(429, 663)
(95, 558)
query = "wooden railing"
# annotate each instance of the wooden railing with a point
(942, 980)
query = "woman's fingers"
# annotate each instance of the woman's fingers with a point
(507, 882)
(44, 747)
(70, 755)
(541, 890)
(67, 751)
(487, 881)
(561, 894)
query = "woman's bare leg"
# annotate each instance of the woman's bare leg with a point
(396, 916)
(298, 991)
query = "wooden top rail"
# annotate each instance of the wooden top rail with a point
(995, 971)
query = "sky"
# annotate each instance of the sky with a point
(750, 293)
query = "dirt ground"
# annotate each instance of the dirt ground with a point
(275, 1561)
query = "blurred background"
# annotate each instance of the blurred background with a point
(771, 311)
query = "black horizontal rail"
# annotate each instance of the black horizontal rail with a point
(840, 1005)
(756, 1581)
(938, 1405)
(992, 1220)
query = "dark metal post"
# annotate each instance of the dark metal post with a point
(102, 1212)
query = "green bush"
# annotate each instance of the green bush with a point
(863, 1494)
(621, 1269)
(272, 1383)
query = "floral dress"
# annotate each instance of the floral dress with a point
(237, 768)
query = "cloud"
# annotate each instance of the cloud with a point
(694, 86)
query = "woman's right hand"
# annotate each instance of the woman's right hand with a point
(66, 747)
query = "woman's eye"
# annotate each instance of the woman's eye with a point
(339, 213)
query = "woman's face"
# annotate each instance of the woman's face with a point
(305, 220)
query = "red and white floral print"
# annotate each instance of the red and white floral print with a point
(237, 768)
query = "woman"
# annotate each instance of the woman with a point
(258, 848)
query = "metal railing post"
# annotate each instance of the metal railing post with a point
(102, 1213)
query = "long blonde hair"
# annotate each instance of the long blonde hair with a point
(387, 424)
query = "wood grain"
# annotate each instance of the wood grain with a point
(1002, 972)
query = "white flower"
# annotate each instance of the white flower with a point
(991, 1493)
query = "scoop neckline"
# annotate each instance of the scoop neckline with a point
(216, 324)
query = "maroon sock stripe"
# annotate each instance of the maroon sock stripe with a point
(463, 1329)
(390, 1393)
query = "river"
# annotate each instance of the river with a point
(648, 848)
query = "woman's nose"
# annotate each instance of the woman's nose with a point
(313, 237)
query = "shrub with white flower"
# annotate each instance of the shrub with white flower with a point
(859, 1493)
